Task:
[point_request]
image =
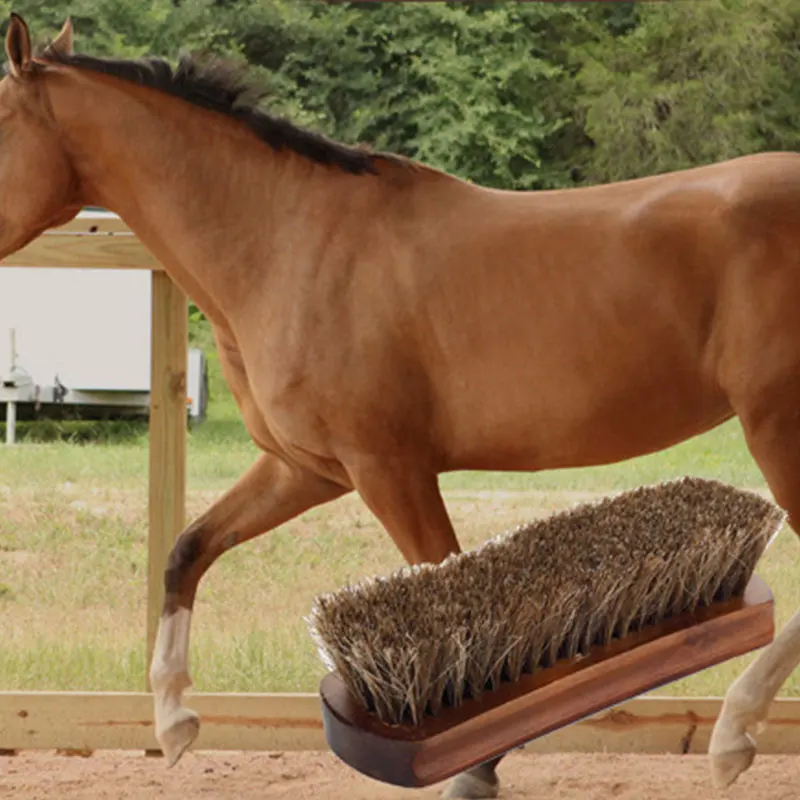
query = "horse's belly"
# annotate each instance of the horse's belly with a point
(585, 426)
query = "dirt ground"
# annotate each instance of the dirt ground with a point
(319, 776)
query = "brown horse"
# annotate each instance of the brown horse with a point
(380, 322)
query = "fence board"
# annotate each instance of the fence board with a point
(84, 251)
(124, 721)
(265, 722)
(167, 441)
(93, 240)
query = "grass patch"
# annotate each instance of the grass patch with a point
(76, 573)
(73, 531)
(77, 431)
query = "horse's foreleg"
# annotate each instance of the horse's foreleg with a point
(409, 505)
(270, 493)
(775, 444)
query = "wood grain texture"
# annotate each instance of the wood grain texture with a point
(93, 240)
(264, 722)
(98, 720)
(519, 712)
(84, 251)
(168, 420)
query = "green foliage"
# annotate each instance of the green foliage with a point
(128, 29)
(478, 91)
(692, 83)
(76, 431)
(512, 95)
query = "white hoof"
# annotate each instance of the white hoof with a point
(728, 765)
(178, 735)
(469, 786)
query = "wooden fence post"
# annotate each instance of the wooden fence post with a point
(167, 490)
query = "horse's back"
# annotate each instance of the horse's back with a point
(598, 324)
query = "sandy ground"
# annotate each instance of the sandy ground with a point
(302, 776)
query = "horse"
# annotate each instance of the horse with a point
(381, 322)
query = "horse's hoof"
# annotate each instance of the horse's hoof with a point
(471, 787)
(728, 766)
(178, 736)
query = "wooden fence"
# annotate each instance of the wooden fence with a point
(81, 721)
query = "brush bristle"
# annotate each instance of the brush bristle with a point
(429, 637)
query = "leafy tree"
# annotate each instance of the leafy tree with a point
(692, 83)
(128, 29)
(513, 95)
(478, 90)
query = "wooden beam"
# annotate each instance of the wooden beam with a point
(167, 493)
(84, 251)
(654, 725)
(262, 722)
(99, 721)
(93, 240)
(92, 222)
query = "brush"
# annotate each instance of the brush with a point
(437, 668)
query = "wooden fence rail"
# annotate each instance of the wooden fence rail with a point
(263, 722)
(99, 720)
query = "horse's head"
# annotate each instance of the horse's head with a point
(38, 184)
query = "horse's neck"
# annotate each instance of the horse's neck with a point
(197, 190)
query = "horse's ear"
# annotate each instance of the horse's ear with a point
(18, 45)
(62, 44)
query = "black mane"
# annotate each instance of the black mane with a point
(226, 88)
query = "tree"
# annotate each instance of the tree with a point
(479, 90)
(511, 95)
(692, 83)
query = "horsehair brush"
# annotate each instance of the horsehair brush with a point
(438, 668)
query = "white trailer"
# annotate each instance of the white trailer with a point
(81, 338)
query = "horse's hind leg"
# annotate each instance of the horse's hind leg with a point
(270, 493)
(477, 783)
(409, 505)
(407, 502)
(774, 440)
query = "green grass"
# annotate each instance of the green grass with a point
(219, 451)
(73, 534)
(88, 454)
